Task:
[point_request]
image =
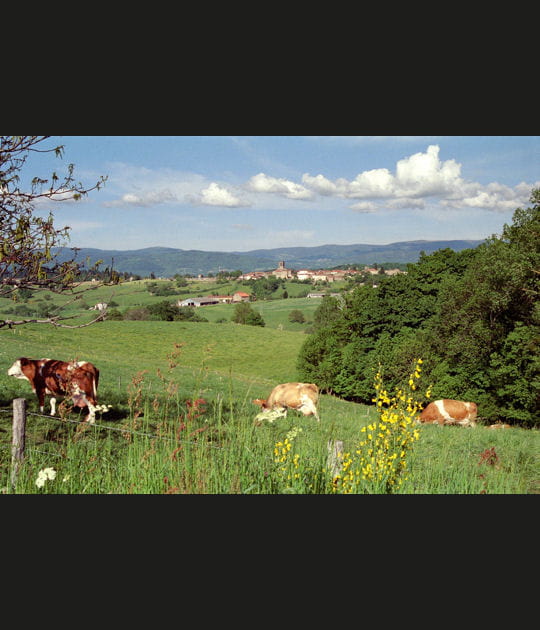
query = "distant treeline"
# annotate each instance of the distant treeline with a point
(472, 316)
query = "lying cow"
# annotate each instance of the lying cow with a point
(77, 379)
(447, 411)
(300, 396)
(499, 425)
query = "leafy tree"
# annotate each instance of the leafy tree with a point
(328, 312)
(375, 326)
(28, 242)
(262, 288)
(164, 310)
(244, 313)
(296, 317)
(473, 316)
(482, 317)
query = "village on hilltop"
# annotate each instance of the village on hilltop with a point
(322, 275)
(282, 272)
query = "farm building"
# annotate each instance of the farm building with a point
(240, 296)
(198, 301)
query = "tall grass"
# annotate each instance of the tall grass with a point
(182, 421)
(171, 445)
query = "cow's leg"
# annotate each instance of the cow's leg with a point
(41, 399)
(52, 402)
(91, 417)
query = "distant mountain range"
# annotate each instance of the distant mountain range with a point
(167, 261)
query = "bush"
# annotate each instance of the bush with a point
(137, 314)
(245, 314)
(296, 317)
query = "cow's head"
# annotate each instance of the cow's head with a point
(17, 369)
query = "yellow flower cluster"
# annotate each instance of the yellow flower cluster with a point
(282, 455)
(379, 461)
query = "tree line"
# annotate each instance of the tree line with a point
(472, 316)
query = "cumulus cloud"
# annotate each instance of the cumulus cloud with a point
(364, 206)
(143, 199)
(415, 181)
(321, 185)
(398, 204)
(215, 195)
(262, 183)
(416, 178)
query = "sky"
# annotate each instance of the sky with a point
(240, 193)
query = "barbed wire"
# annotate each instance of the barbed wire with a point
(109, 428)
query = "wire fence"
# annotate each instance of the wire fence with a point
(123, 430)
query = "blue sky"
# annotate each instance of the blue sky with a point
(239, 193)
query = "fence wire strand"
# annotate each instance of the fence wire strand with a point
(109, 428)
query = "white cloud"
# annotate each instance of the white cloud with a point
(405, 202)
(423, 174)
(364, 206)
(375, 183)
(415, 181)
(321, 185)
(262, 183)
(419, 177)
(215, 195)
(143, 200)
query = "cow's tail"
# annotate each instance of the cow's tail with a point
(95, 382)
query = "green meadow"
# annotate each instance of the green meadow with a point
(181, 418)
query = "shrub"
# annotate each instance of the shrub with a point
(379, 462)
(137, 314)
(245, 314)
(296, 317)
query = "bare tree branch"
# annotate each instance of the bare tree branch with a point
(29, 243)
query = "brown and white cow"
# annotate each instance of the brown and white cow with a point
(300, 396)
(499, 425)
(76, 379)
(448, 411)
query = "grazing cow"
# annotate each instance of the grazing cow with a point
(449, 412)
(77, 379)
(300, 396)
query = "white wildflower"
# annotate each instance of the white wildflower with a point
(43, 475)
(270, 414)
(293, 433)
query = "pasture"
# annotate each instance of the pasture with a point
(182, 420)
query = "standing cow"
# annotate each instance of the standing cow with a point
(300, 396)
(77, 379)
(447, 411)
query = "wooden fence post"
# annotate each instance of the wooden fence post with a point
(18, 438)
(335, 452)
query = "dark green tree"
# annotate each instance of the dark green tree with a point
(296, 316)
(244, 313)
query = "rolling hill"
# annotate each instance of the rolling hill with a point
(167, 261)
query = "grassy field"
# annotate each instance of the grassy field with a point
(157, 438)
(275, 312)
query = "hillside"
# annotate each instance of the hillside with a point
(167, 261)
